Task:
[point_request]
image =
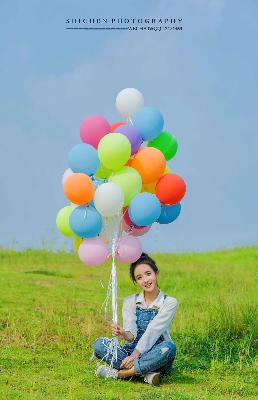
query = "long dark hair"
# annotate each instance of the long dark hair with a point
(144, 259)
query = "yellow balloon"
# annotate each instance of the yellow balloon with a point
(150, 187)
(102, 172)
(114, 150)
(62, 221)
(76, 243)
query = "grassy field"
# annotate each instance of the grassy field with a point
(50, 316)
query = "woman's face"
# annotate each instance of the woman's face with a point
(145, 277)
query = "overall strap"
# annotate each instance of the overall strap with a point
(165, 296)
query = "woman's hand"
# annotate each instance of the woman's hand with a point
(128, 362)
(117, 331)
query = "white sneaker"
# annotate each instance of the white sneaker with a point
(103, 371)
(152, 378)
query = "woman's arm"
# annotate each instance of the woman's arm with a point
(128, 336)
(129, 330)
(128, 362)
(160, 323)
(119, 331)
(129, 318)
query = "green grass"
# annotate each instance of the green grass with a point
(50, 316)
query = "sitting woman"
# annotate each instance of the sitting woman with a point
(149, 350)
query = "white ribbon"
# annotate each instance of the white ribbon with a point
(112, 289)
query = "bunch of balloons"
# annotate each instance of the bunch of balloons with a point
(118, 175)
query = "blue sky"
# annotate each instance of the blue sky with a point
(203, 79)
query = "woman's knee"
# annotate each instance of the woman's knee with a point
(168, 349)
(99, 347)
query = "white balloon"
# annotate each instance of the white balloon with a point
(68, 172)
(108, 199)
(128, 101)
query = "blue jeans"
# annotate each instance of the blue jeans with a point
(159, 358)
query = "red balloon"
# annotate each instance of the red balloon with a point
(135, 231)
(170, 189)
(116, 125)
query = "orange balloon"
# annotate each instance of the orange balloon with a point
(128, 163)
(79, 189)
(116, 125)
(170, 189)
(150, 163)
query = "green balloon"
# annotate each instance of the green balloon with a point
(102, 172)
(166, 143)
(62, 221)
(129, 181)
(114, 151)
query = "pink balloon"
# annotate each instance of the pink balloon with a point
(135, 231)
(93, 128)
(129, 249)
(93, 251)
(68, 172)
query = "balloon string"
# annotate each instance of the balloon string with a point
(114, 295)
(106, 301)
(129, 120)
(114, 278)
(112, 345)
(112, 291)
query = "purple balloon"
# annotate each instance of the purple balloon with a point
(133, 135)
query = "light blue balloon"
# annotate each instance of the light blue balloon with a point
(86, 222)
(91, 204)
(149, 121)
(83, 158)
(144, 209)
(169, 213)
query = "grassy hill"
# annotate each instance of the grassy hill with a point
(50, 316)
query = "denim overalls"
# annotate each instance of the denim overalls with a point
(143, 318)
(159, 358)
